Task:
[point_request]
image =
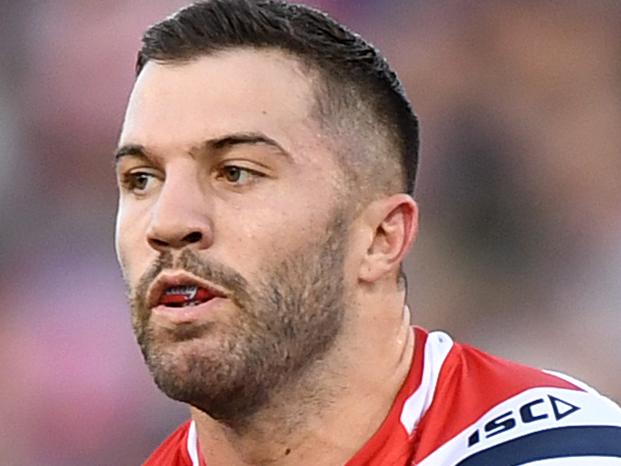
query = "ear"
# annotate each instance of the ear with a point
(393, 223)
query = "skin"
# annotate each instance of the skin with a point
(183, 197)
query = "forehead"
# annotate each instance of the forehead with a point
(179, 104)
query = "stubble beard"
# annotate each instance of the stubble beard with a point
(285, 324)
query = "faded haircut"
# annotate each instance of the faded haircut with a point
(359, 98)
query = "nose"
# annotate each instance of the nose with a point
(180, 218)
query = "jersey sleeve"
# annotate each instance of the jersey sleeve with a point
(558, 421)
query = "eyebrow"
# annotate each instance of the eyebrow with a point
(215, 144)
(134, 150)
(238, 139)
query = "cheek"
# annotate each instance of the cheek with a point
(265, 231)
(120, 240)
(127, 243)
(269, 237)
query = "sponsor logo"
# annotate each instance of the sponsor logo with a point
(531, 412)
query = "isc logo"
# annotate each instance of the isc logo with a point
(533, 411)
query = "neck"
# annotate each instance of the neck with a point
(331, 411)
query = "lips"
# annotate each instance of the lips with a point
(181, 289)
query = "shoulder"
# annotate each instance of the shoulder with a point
(487, 410)
(173, 451)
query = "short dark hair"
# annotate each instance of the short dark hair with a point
(356, 85)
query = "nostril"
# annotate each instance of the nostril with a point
(164, 241)
(193, 237)
(158, 243)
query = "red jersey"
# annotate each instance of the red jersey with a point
(461, 407)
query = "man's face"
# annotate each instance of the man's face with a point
(230, 231)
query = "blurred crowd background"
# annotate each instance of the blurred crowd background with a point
(520, 191)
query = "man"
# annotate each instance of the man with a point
(266, 168)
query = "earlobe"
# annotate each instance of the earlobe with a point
(395, 223)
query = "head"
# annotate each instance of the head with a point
(268, 156)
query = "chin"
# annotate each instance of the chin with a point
(187, 356)
(214, 380)
(185, 367)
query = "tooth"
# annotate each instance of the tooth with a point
(192, 292)
(188, 290)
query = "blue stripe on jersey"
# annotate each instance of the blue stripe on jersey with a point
(553, 443)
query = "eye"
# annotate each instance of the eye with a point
(239, 176)
(138, 182)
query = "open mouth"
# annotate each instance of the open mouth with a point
(181, 290)
(185, 295)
